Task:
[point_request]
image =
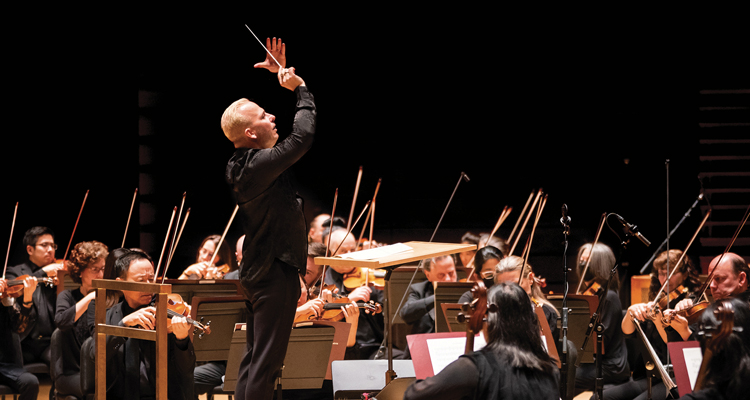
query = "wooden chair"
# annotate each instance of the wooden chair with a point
(159, 335)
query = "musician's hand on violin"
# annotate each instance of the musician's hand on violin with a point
(51, 270)
(288, 79)
(200, 269)
(327, 296)
(143, 317)
(29, 286)
(351, 312)
(180, 327)
(683, 305)
(361, 293)
(3, 285)
(313, 307)
(277, 48)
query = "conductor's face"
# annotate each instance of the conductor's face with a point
(262, 129)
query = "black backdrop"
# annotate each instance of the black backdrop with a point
(589, 109)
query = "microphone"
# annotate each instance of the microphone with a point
(565, 220)
(633, 230)
(465, 177)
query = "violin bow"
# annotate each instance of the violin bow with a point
(127, 224)
(660, 293)
(174, 245)
(596, 240)
(527, 250)
(354, 199)
(174, 235)
(10, 238)
(350, 229)
(371, 213)
(525, 221)
(65, 256)
(503, 217)
(223, 235)
(520, 216)
(705, 285)
(328, 239)
(166, 239)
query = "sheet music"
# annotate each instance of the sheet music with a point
(377, 252)
(693, 360)
(446, 350)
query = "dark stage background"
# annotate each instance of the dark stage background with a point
(587, 110)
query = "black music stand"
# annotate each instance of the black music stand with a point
(419, 251)
(447, 292)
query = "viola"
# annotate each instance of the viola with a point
(15, 286)
(364, 277)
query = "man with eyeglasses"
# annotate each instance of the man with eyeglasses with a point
(35, 335)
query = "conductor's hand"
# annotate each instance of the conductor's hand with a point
(278, 50)
(289, 80)
(180, 327)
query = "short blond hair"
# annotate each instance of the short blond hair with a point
(233, 123)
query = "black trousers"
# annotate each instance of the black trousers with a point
(25, 383)
(271, 305)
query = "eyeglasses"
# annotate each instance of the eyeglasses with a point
(96, 270)
(488, 275)
(47, 245)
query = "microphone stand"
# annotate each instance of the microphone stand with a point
(684, 217)
(565, 220)
(595, 323)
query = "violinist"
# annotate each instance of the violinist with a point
(35, 336)
(419, 309)
(513, 364)
(730, 279)
(370, 326)
(466, 256)
(727, 370)
(12, 373)
(485, 261)
(684, 281)
(131, 362)
(238, 256)
(315, 233)
(314, 271)
(87, 263)
(615, 369)
(223, 262)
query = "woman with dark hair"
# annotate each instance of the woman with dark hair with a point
(615, 369)
(224, 261)
(87, 263)
(485, 261)
(513, 364)
(727, 373)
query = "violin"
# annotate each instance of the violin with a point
(692, 314)
(364, 277)
(15, 286)
(668, 301)
(332, 311)
(176, 307)
(593, 289)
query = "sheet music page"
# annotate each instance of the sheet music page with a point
(377, 252)
(446, 350)
(693, 360)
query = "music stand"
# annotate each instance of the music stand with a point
(685, 368)
(580, 309)
(448, 292)
(450, 313)
(419, 251)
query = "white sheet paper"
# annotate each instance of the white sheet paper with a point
(446, 350)
(377, 252)
(693, 360)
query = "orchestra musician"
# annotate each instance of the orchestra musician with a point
(315, 234)
(35, 335)
(12, 373)
(87, 263)
(615, 369)
(419, 309)
(685, 277)
(485, 261)
(270, 210)
(513, 364)
(201, 269)
(131, 362)
(466, 256)
(730, 279)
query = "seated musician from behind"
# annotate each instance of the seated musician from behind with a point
(419, 309)
(223, 262)
(728, 367)
(87, 263)
(131, 362)
(615, 367)
(513, 364)
(684, 277)
(484, 264)
(730, 279)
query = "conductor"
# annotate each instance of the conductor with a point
(275, 248)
